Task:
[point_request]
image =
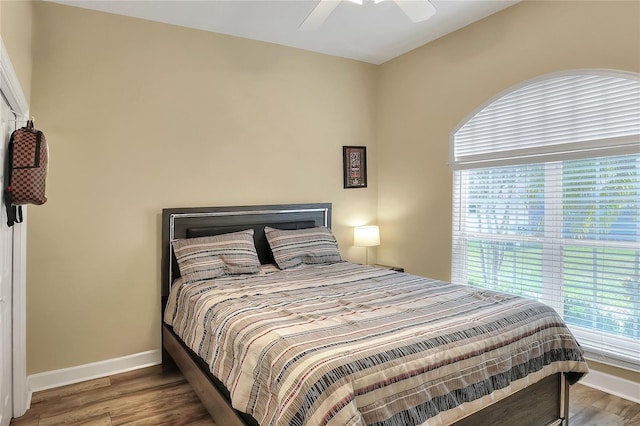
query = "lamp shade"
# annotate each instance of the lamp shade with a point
(366, 236)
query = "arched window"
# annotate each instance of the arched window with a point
(547, 203)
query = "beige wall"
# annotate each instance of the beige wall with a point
(15, 28)
(141, 116)
(425, 94)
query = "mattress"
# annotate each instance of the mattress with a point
(348, 344)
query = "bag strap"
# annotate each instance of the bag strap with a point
(14, 214)
(17, 214)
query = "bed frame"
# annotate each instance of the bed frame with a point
(544, 403)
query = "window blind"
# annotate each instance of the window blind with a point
(553, 119)
(564, 231)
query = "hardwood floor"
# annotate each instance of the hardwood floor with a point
(152, 397)
(147, 396)
(591, 407)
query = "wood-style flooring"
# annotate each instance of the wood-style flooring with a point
(151, 396)
(591, 407)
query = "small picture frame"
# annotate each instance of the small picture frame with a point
(354, 161)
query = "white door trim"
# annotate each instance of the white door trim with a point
(10, 85)
(12, 91)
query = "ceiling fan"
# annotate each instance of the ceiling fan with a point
(416, 10)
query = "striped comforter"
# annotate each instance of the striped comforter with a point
(347, 344)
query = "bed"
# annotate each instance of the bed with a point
(440, 386)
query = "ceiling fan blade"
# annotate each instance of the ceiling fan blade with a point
(417, 10)
(319, 14)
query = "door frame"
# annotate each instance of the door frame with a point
(12, 91)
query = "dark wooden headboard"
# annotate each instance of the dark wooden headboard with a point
(204, 221)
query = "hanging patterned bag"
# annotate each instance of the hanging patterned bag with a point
(26, 174)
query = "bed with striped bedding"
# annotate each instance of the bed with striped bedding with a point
(347, 344)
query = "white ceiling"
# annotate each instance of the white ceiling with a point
(370, 32)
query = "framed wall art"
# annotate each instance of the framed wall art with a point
(354, 160)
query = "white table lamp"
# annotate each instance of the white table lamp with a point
(366, 236)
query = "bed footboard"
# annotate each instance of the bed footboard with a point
(220, 411)
(543, 403)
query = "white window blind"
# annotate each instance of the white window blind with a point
(565, 231)
(563, 117)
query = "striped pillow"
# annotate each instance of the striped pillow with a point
(210, 257)
(309, 246)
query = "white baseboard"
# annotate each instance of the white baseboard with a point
(614, 385)
(94, 370)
